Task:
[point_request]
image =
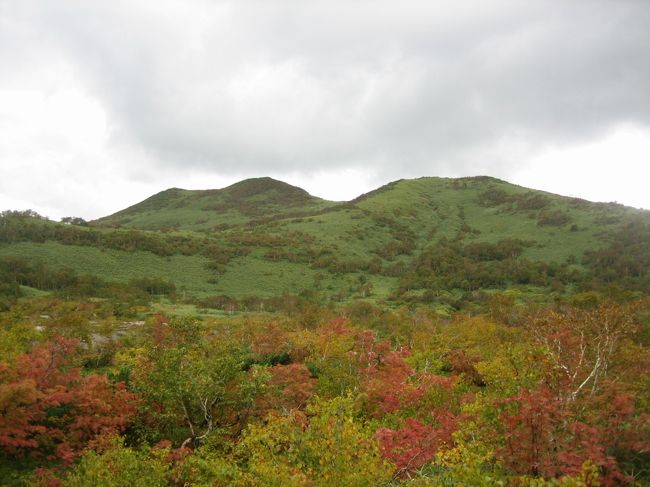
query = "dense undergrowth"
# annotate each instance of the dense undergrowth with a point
(519, 395)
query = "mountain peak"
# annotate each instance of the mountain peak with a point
(277, 191)
(237, 204)
(262, 185)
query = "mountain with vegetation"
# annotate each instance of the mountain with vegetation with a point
(430, 240)
(433, 332)
(247, 202)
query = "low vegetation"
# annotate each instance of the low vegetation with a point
(313, 396)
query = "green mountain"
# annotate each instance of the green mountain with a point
(435, 241)
(249, 201)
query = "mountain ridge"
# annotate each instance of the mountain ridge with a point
(264, 197)
(409, 240)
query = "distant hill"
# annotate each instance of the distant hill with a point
(244, 202)
(429, 240)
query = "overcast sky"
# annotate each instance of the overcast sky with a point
(103, 103)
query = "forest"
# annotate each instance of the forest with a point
(431, 333)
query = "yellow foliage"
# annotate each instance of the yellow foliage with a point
(588, 477)
(329, 447)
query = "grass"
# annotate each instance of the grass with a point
(250, 275)
(265, 278)
(187, 272)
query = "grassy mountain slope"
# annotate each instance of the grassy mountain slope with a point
(424, 239)
(244, 202)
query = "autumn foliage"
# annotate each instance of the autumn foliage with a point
(415, 444)
(50, 409)
(558, 398)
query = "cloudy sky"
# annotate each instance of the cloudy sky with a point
(104, 103)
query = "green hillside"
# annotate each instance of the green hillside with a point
(436, 241)
(246, 202)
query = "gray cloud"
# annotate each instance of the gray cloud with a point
(415, 88)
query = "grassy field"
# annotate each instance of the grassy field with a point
(187, 272)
